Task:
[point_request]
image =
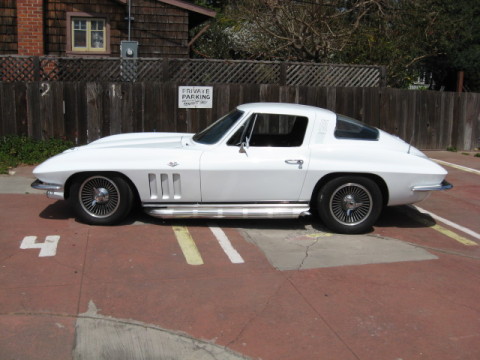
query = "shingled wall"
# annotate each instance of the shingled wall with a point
(160, 29)
(8, 27)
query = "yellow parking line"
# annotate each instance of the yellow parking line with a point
(454, 236)
(189, 249)
(450, 233)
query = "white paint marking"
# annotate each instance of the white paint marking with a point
(459, 167)
(226, 245)
(44, 88)
(450, 223)
(48, 248)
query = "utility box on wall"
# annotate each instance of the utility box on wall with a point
(129, 49)
(128, 60)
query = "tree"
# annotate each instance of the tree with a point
(388, 38)
(454, 37)
(215, 42)
(409, 37)
(327, 31)
(213, 4)
(302, 30)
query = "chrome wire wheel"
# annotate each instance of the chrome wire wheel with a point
(99, 196)
(351, 204)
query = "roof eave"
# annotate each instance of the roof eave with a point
(184, 5)
(191, 7)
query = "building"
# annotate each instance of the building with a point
(96, 28)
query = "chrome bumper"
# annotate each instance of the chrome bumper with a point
(443, 186)
(54, 191)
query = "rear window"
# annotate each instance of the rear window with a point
(348, 128)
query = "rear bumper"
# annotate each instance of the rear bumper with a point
(443, 186)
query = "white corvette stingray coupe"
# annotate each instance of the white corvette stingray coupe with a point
(264, 160)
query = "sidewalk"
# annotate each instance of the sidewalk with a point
(18, 181)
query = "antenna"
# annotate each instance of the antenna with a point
(411, 140)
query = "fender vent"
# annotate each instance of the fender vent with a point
(165, 186)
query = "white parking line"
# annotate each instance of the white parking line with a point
(226, 245)
(451, 224)
(459, 167)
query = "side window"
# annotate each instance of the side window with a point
(271, 130)
(348, 128)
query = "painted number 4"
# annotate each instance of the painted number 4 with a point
(47, 248)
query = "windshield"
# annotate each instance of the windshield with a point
(218, 129)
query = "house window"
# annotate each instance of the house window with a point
(87, 34)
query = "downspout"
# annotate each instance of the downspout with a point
(129, 18)
(45, 37)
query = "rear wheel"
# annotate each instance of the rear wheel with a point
(350, 204)
(101, 199)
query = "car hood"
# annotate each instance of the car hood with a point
(124, 152)
(141, 140)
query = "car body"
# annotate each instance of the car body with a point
(261, 160)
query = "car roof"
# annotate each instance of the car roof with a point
(271, 107)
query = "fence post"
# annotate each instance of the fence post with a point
(283, 73)
(36, 68)
(383, 76)
(165, 74)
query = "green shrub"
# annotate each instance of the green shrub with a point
(477, 155)
(16, 150)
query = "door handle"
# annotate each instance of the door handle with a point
(295, 162)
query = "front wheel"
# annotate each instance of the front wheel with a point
(350, 204)
(101, 199)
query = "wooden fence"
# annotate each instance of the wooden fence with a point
(191, 71)
(83, 112)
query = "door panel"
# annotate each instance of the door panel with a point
(266, 160)
(260, 174)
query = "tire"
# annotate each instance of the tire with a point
(101, 199)
(350, 204)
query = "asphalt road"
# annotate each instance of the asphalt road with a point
(266, 289)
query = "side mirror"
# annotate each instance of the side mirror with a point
(243, 149)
